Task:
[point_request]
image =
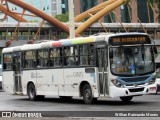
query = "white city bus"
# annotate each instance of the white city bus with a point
(106, 65)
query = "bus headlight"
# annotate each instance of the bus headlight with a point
(117, 83)
(152, 81)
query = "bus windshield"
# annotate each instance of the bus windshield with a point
(132, 60)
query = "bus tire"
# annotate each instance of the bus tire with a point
(31, 91)
(126, 99)
(87, 94)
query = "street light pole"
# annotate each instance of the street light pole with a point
(71, 19)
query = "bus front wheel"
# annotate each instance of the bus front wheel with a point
(31, 92)
(87, 94)
(126, 99)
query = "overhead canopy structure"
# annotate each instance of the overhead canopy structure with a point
(103, 8)
(40, 14)
(93, 10)
(14, 16)
(90, 16)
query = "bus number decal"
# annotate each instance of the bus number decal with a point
(36, 75)
(77, 74)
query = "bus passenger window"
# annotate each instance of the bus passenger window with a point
(83, 60)
(42, 61)
(51, 61)
(70, 56)
(67, 56)
(30, 59)
(26, 64)
(57, 62)
(55, 57)
(7, 61)
(86, 54)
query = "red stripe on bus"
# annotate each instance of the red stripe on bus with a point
(56, 44)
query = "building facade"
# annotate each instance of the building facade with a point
(126, 14)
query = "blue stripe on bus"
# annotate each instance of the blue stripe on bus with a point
(65, 43)
(94, 77)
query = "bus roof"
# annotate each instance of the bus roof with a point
(66, 42)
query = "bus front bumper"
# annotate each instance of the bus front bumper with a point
(135, 91)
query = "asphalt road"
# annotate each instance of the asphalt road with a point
(75, 108)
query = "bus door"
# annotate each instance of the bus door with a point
(102, 64)
(17, 73)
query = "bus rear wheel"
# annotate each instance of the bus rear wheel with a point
(31, 92)
(126, 99)
(87, 94)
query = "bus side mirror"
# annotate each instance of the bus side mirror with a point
(111, 54)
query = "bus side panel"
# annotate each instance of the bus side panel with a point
(28, 76)
(73, 78)
(50, 81)
(8, 81)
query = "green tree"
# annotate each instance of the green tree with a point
(62, 17)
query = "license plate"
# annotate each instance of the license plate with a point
(153, 88)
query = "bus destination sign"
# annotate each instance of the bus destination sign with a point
(126, 40)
